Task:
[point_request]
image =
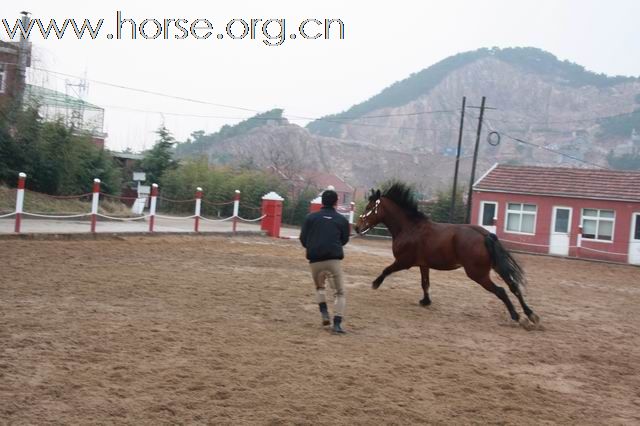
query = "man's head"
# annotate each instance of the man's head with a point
(329, 198)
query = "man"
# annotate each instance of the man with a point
(323, 235)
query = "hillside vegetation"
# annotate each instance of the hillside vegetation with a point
(528, 59)
(200, 141)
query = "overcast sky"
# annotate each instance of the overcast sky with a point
(384, 42)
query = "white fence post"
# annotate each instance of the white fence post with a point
(352, 212)
(236, 210)
(94, 204)
(198, 209)
(152, 206)
(20, 200)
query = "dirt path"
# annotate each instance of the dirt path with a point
(182, 330)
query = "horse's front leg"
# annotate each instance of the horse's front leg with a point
(394, 267)
(424, 272)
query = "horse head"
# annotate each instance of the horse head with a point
(372, 214)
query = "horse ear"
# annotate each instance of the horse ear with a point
(377, 194)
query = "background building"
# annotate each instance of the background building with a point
(586, 213)
(15, 58)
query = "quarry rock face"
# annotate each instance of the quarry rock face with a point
(417, 141)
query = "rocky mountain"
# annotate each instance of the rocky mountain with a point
(410, 130)
(292, 149)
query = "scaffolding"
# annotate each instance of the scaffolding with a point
(74, 112)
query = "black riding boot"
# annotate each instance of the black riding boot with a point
(337, 325)
(325, 313)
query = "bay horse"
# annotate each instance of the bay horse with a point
(419, 241)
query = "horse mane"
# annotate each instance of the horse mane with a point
(404, 196)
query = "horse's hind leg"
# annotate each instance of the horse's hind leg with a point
(500, 293)
(424, 272)
(527, 310)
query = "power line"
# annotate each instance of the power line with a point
(186, 99)
(181, 114)
(149, 92)
(524, 142)
(285, 117)
(443, 111)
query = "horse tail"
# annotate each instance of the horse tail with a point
(504, 264)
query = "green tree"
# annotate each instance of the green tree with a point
(297, 209)
(26, 126)
(440, 208)
(620, 126)
(219, 185)
(71, 161)
(159, 159)
(56, 158)
(624, 162)
(9, 154)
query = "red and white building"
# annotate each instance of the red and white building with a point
(584, 213)
(322, 181)
(15, 58)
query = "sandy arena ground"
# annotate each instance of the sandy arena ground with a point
(215, 330)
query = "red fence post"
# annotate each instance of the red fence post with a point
(272, 212)
(315, 205)
(236, 210)
(20, 200)
(152, 206)
(94, 204)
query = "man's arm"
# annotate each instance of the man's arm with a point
(303, 232)
(345, 232)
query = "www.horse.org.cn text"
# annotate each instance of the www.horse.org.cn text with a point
(270, 31)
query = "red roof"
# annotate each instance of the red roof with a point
(562, 182)
(323, 180)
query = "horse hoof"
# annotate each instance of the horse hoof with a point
(524, 322)
(375, 285)
(534, 318)
(425, 302)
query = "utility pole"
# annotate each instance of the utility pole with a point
(455, 173)
(24, 59)
(475, 159)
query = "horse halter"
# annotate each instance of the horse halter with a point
(365, 215)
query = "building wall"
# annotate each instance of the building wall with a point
(344, 197)
(98, 141)
(9, 59)
(539, 242)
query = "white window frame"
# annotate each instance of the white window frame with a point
(520, 212)
(3, 78)
(635, 216)
(598, 219)
(481, 215)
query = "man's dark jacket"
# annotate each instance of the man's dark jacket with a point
(323, 235)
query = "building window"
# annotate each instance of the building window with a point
(562, 218)
(598, 224)
(521, 218)
(3, 78)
